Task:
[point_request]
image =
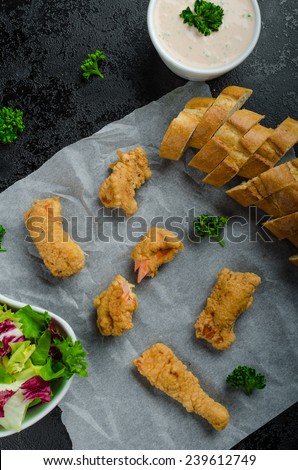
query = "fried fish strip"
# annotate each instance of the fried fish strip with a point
(129, 173)
(61, 255)
(115, 308)
(159, 246)
(166, 372)
(231, 296)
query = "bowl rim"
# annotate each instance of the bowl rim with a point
(43, 408)
(194, 70)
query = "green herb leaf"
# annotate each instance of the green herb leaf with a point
(90, 65)
(247, 379)
(2, 233)
(73, 356)
(11, 124)
(210, 225)
(33, 323)
(207, 17)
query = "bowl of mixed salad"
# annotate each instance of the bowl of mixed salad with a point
(39, 355)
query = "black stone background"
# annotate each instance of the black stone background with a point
(42, 43)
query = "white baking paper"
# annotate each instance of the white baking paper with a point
(116, 408)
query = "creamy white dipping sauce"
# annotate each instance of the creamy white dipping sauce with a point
(188, 46)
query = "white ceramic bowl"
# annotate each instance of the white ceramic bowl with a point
(197, 74)
(60, 387)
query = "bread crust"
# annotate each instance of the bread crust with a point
(224, 140)
(228, 101)
(282, 202)
(180, 130)
(284, 227)
(266, 184)
(272, 150)
(294, 259)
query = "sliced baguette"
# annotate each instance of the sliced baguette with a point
(227, 102)
(294, 259)
(224, 140)
(273, 149)
(282, 202)
(257, 189)
(182, 127)
(284, 227)
(294, 240)
(243, 150)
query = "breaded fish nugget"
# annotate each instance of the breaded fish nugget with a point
(115, 308)
(166, 372)
(129, 173)
(231, 296)
(159, 246)
(60, 254)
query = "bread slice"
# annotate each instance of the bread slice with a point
(245, 147)
(257, 189)
(227, 102)
(281, 203)
(294, 240)
(224, 140)
(284, 227)
(294, 259)
(182, 127)
(273, 149)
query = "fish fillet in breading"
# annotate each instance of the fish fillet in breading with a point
(158, 246)
(231, 296)
(128, 173)
(166, 372)
(115, 308)
(61, 255)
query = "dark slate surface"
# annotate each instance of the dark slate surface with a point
(42, 44)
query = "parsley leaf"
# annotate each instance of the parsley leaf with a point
(90, 65)
(11, 124)
(2, 233)
(207, 17)
(210, 225)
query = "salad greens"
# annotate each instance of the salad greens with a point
(207, 17)
(2, 233)
(33, 354)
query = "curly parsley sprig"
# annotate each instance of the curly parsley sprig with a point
(207, 17)
(11, 124)
(210, 225)
(90, 65)
(2, 233)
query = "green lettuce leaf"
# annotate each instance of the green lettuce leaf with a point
(41, 353)
(20, 353)
(33, 323)
(5, 377)
(73, 356)
(52, 370)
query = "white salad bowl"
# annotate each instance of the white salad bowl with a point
(200, 74)
(59, 388)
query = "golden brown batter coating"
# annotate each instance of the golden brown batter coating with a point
(115, 308)
(231, 296)
(129, 173)
(159, 246)
(61, 255)
(166, 372)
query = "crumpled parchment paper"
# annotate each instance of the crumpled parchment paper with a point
(115, 408)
